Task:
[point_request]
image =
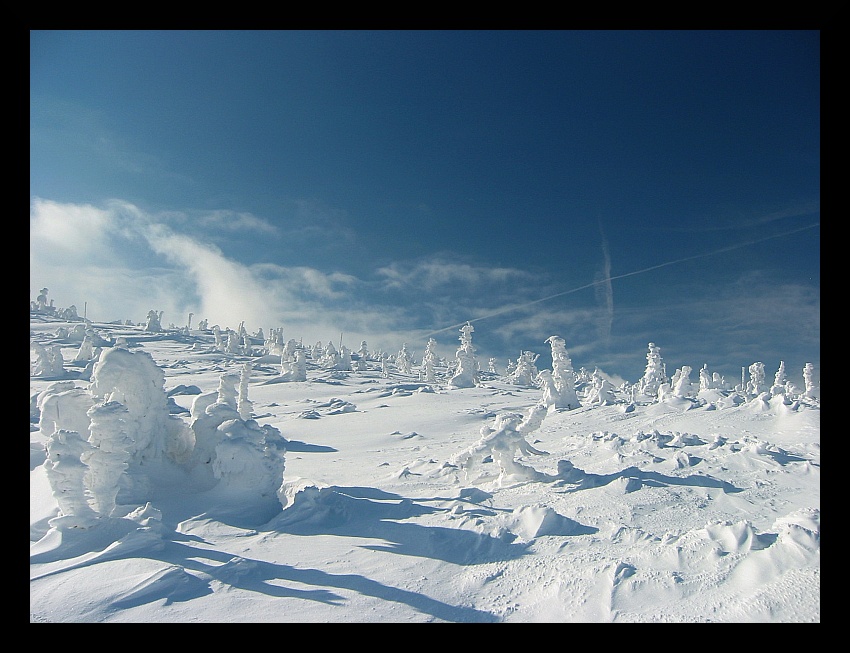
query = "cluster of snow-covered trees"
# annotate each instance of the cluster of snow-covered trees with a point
(115, 443)
(561, 385)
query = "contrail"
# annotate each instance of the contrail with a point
(609, 279)
(604, 291)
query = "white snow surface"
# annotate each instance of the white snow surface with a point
(700, 509)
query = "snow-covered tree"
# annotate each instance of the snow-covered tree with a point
(780, 381)
(109, 457)
(654, 374)
(48, 362)
(344, 363)
(360, 364)
(404, 360)
(563, 375)
(429, 361)
(66, 474)
(246, 409)
(330, 358)
(87, 349)
(158, 439)
(681, 385)
(756, 384)
(600, 391)
(525, 372)
(154, 321)
(503, 443)
(812, 389)
(466, 374)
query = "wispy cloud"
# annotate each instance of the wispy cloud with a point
(123, 262)
(441, 272)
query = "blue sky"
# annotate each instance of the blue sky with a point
(612, 187)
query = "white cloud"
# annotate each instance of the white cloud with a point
(73, 233)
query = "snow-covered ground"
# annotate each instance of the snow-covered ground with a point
(397, 508)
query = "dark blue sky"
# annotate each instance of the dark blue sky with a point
(393, 184)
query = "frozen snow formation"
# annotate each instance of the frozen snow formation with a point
(502, 444)
(466, 374)
(113, 446)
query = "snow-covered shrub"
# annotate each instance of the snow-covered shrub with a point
(502, 443)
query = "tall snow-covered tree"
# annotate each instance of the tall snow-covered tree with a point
(654, 374)
(756, 384)
(404, 360)
(812, 390)
(563, 375)
(429, 361)
(466, 374)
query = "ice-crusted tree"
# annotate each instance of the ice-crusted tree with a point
(525, 372)
(41, 300)
(654, 374)
(246, 408)
(154, 323)
(756, 384)
(109, 457)
(219, 343)
(293, 366)
(812, 390)
(681, 384)
(466, 373)
(550, 391)
(48, 360)
(233, 343)
(600, 391)
(504, 442)
(404, 360)
(491, 366)
(359, 364)
(158, 439)
(274, 343)
(429, 361)
(287, 353)
(344, 363)
(780, 381)
(330, 358)
(563, 375)
(63, 405)
(711, 380)
(66, 474)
